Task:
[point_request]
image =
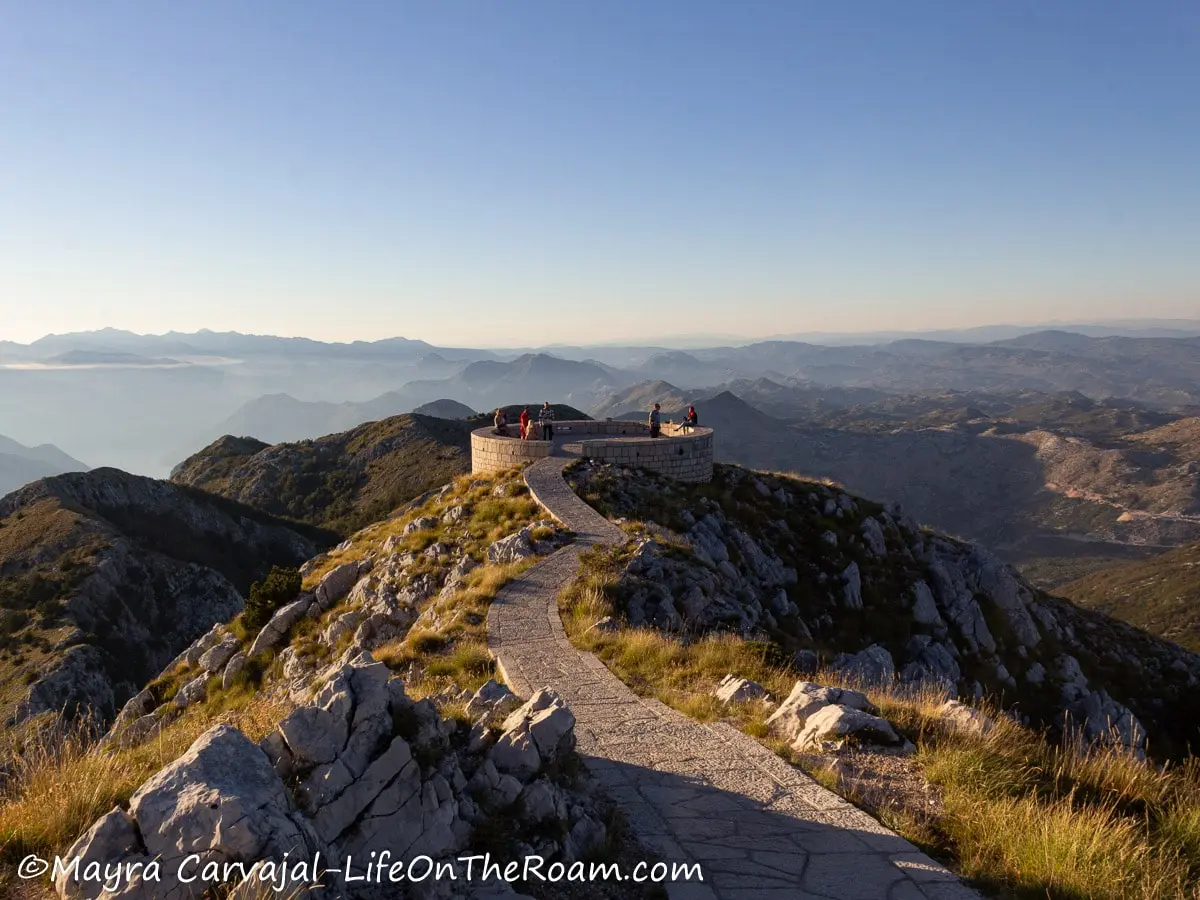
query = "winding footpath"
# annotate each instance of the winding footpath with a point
(694, 792)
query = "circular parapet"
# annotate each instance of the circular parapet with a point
(682, 455)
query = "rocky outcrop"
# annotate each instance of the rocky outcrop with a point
(806, 699)
(965, 718)
(359, 604)
(359, 770)
(523, 545)
(538, 734)
(152, 566)
(804, 565)
(872, 666)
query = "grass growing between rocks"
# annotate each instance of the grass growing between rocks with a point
(497, 505)
(58, 784)
(1019, 816)
(448, 644)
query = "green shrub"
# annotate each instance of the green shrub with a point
(281, 587)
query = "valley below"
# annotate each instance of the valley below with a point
(981, 568)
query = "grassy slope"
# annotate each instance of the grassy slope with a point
(58, 785)
(44, 549)
(340, 481)
(1020, 816)
(1161, 594)
(49, 544)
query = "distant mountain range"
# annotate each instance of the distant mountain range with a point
(1058, 483)
(482, 385)
(142, 402)
(20, 465)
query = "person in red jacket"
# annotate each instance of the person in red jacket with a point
(524, 419)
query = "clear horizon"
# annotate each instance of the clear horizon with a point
(1189, 324)
(483, 176)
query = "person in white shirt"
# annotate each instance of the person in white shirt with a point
(546, 420)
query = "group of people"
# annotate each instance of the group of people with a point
(540, 430)
(543, 428)
(655, 423)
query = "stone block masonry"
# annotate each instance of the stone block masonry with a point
(491, 453)
(682, 456)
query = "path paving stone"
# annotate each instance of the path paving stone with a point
(694, 792)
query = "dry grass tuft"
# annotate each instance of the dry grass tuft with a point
(1018, 815)
(61, 783)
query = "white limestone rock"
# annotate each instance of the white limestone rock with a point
(233, 668)
(836, 723)
(280, 624)
(421, 523)
(542, 802)
(925, 611)
(336, 816)
(807, 698)
(192, 692)
(112, 839)
(540, 732)
(733, 689)
(852, 587)
(511, 549)
(493, 699)
(221, 800)
(872, 534)
(965, 718)
(215, 657)
(335, 585)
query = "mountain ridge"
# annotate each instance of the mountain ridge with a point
(105, 576)
(342, 480)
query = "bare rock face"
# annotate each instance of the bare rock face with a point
(511, 549)
(421, 523)
(359, 769)
(871, 666)
(221, 800)
(280, 624)
(336, 584)
(163, 564)
(114, 838)
(950, 617)
(214, 658)
(79, 681)
(492, 700)
(538, 734)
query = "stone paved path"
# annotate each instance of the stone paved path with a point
(695, 792)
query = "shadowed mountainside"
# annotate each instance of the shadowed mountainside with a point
(1160, 594)
(341, 481)
(105, 576)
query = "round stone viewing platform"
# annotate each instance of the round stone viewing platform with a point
(679, 454)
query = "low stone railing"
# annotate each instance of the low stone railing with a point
(683, 455)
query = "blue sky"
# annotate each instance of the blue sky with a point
(526, 172)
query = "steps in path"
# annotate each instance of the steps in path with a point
(695, 792)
